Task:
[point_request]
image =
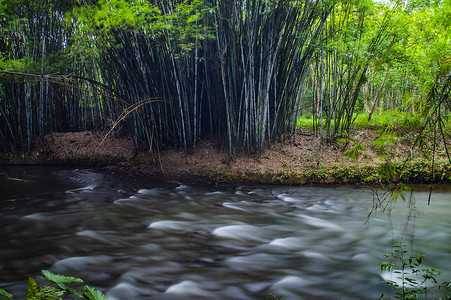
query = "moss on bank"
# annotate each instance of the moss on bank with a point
(416, 172)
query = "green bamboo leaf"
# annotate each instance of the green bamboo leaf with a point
(56, 278)
(430, 273)
(94, 294)
(385, 266)
(411, 281)
(192, 19)
(419, 258)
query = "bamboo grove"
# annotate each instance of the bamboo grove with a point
(173, 73)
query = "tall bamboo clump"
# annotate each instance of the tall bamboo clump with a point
(351, 43)
(232, 71)
(258, 65)
(38, 90)
(34, 32)
(263, 50)
(243, 87)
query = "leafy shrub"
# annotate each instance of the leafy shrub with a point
(413, 280)
(385, 142)
(57, 289)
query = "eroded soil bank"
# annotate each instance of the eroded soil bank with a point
(304, 160)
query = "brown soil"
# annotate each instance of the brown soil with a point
(276, 164)
(85, 148)
(294, 157)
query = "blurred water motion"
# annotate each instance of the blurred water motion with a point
(136, 238)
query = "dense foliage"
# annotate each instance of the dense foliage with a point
(56, 288)
(237, 72)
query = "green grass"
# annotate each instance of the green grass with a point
(387, 119)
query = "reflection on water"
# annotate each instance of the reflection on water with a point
(144, 239)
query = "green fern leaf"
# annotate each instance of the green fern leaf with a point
(32, 289)
(94, 294)
(56, 278)
(5, 294)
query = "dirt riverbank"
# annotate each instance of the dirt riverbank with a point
(301, 161)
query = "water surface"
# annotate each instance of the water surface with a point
(138, 238)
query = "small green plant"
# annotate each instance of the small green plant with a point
(410, 280)
(355, 152)
(385, 143)
(273, 297)
(57, 289)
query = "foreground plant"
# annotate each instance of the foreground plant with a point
(57, 289)
(412, 280)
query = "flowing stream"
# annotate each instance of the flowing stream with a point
(140, 238)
